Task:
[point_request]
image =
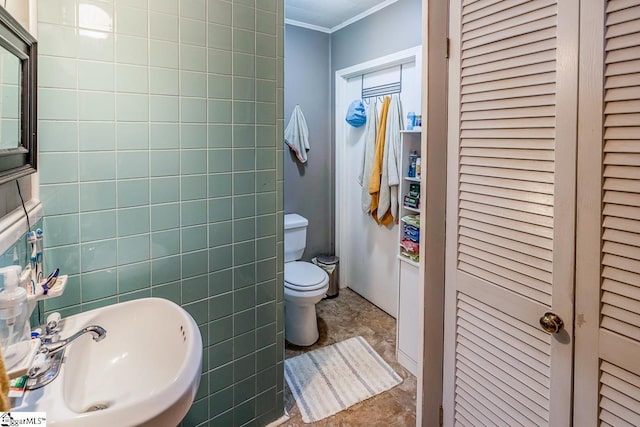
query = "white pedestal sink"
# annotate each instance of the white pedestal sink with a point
(144, 373)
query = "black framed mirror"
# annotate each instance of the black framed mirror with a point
(18, 99)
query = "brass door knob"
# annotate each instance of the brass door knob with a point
(551, 323)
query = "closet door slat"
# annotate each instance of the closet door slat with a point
(515, 205)
(624, 15)
(514, 19)
(616, 5)
(620, 308)
(506, 243)
(520, 40)
(622, 277)
(518, 236)
(515, 82)
(505, 252)
(510, 73)
(622, 68)
(520, 102)
(496, 172)
(502, 191)
(530, 387)
(521, 396)
(509, 53)
(509, 113)
(472, 6)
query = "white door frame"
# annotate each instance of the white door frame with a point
(433, 209)
(341, 80)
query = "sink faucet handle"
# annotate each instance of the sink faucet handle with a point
(51, 328)
(54, 317)
(52, 322)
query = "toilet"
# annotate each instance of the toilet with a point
(305, 284)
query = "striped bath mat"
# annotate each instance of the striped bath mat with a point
(327, 380)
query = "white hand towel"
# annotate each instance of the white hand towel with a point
(395, 124)
(391, 161)
(296, 135)
(367, 156)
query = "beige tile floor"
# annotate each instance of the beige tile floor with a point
(347, 316)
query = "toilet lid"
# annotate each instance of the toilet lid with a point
(304, 276)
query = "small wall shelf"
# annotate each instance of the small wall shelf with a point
(408, 261)
(407, 350)
(56, 291)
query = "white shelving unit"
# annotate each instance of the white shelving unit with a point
(407, 208)
(410, 143)
(407, 342)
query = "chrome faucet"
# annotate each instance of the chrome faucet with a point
(98, 335)
(46, 364)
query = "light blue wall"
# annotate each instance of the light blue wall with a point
(312, 58)
(395, 28)
(307, 71)
(161, 175)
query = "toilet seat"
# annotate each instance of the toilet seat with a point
(304, 277)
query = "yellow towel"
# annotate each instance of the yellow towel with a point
(376, 170)
(5, 404)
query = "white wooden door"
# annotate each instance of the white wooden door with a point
(607, 333)
(510, 211)
(367, 260)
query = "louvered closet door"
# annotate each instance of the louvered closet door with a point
(510, 212)
(607, 359)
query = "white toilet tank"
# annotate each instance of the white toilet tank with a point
(295, 236)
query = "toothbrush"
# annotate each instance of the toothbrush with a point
(31, 238)
(39, 269)
(49, 283)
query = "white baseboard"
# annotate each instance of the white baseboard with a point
(410, 364)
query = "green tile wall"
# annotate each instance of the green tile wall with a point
(161, 175)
